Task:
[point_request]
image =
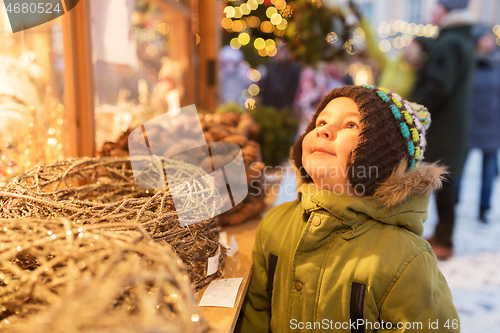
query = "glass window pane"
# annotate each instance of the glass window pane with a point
(141, 63)
(31, 96)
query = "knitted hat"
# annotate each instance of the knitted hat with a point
(391, 129)
(454, 4)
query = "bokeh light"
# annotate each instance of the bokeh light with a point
(229, 11)
(254, 75)
(283, 25)
(384, 45)
(266, 27)
(226, 23)
(253, 21)
(235, 43)
(245, 9)
(253, 90)
(276, 19)
(271, 11)
(244, 38)
(238, 13)
(259, 43)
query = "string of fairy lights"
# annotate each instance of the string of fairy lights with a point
(240, 18)
(397, 34)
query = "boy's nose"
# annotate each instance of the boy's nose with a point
(326, 132)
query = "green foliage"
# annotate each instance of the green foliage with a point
(277, 130)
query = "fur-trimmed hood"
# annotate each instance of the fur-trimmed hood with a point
(401, 184)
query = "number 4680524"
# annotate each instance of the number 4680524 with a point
(33, 8)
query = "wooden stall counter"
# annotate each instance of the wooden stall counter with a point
(223, 319)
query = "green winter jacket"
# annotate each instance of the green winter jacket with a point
(326, 261)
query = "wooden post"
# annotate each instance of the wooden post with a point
(210, 39)
(79, 80)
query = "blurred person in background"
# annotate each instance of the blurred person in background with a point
(444, 85)
(485, 115)
(280, 84)
(233, 75)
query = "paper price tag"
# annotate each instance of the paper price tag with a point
(223, 239)
(234, 247)
(221, 293)
(213, 264)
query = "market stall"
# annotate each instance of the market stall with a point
(69, 86)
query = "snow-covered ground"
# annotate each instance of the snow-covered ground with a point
(473, 274)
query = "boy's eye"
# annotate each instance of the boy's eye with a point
(352, 125)
(321, 123)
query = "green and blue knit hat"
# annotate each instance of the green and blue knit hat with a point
(392, 129)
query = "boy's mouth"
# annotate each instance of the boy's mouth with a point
(321, 150)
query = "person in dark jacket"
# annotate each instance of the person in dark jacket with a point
(485, 116)
(444, 85)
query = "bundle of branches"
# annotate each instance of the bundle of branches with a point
(102, 190)
(228, 127)
(61, 276)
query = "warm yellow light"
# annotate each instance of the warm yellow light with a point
(273, 52)
(398, 42)
(238, 25)
(226, 23)
(414, 28)
(235, 43)
(152, 50)
(384, 45)
(279, 33)
(253, 4)
(253, 90)
(266, 27)
(253, 21)
(276, 19)
(271, 11)
(270, 44)
(164, 28)
(250, 104)
(259, 43)
(229, 11)
(244, 38)
(420, 31)
(254, 75)
(262, 52)
(401, 25)
(280, 4)
(245, 9)
(407, 40)
(283, 24)
(238, 13)
(496, 30)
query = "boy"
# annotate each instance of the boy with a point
(348, 255)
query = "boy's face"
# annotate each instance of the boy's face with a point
(326, 149)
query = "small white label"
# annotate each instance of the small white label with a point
(234, 246)
(213, 264)
(223, 239)
(221, 293)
